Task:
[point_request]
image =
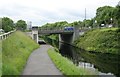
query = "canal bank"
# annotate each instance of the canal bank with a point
(106, 40)
(83, 63)
(67, 67)
(103, 62)
(15, 52)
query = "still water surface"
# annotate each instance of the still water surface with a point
(107, 65)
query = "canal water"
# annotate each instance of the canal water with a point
(103, 64)
(106, 65)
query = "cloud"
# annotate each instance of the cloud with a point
(45, 11)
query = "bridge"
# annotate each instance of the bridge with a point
(60, 30)
(68, 36)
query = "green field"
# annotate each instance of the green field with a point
(15, 52)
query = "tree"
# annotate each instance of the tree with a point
(55, 25)
(104, 14)
(21, 25)
(117, 15)
(7, 24)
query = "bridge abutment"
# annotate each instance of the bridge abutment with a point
(76, 33)
(35, 33)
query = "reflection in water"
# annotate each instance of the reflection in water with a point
(85, 65)
(106, 64)
(65, 50)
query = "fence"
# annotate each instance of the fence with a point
(5, 35)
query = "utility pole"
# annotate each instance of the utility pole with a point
(0, 23)
(85, 13)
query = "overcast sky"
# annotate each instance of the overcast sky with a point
(40, 12)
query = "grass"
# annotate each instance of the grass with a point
(27, 30)
(67, 67)
(0, 58)
(15, 52)
(100, 40)
(106, 29)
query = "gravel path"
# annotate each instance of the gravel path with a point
(39, 63)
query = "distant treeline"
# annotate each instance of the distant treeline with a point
(8, 24)
(105, 16)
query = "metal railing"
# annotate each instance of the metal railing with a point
(6, 35)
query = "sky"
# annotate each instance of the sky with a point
(40, 12)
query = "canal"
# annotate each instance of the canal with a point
(104, 64)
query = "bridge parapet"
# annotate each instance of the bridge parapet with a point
(49, 28)
(58, 30)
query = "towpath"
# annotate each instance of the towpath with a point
(39, 63)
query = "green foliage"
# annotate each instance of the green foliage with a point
(67, 67)
(15, 52)
(54, 25)
(61, 25)
(51, 39)
(0, 57)
(105, 13)
(100, 40)
(117, 15)
(7, 24)
(87, 23)
(54, 37)
(21, 25)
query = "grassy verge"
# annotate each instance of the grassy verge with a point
(67, 67)
(101, 40)
(15, 52)
(0, 58)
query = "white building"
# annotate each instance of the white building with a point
(29, 25)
